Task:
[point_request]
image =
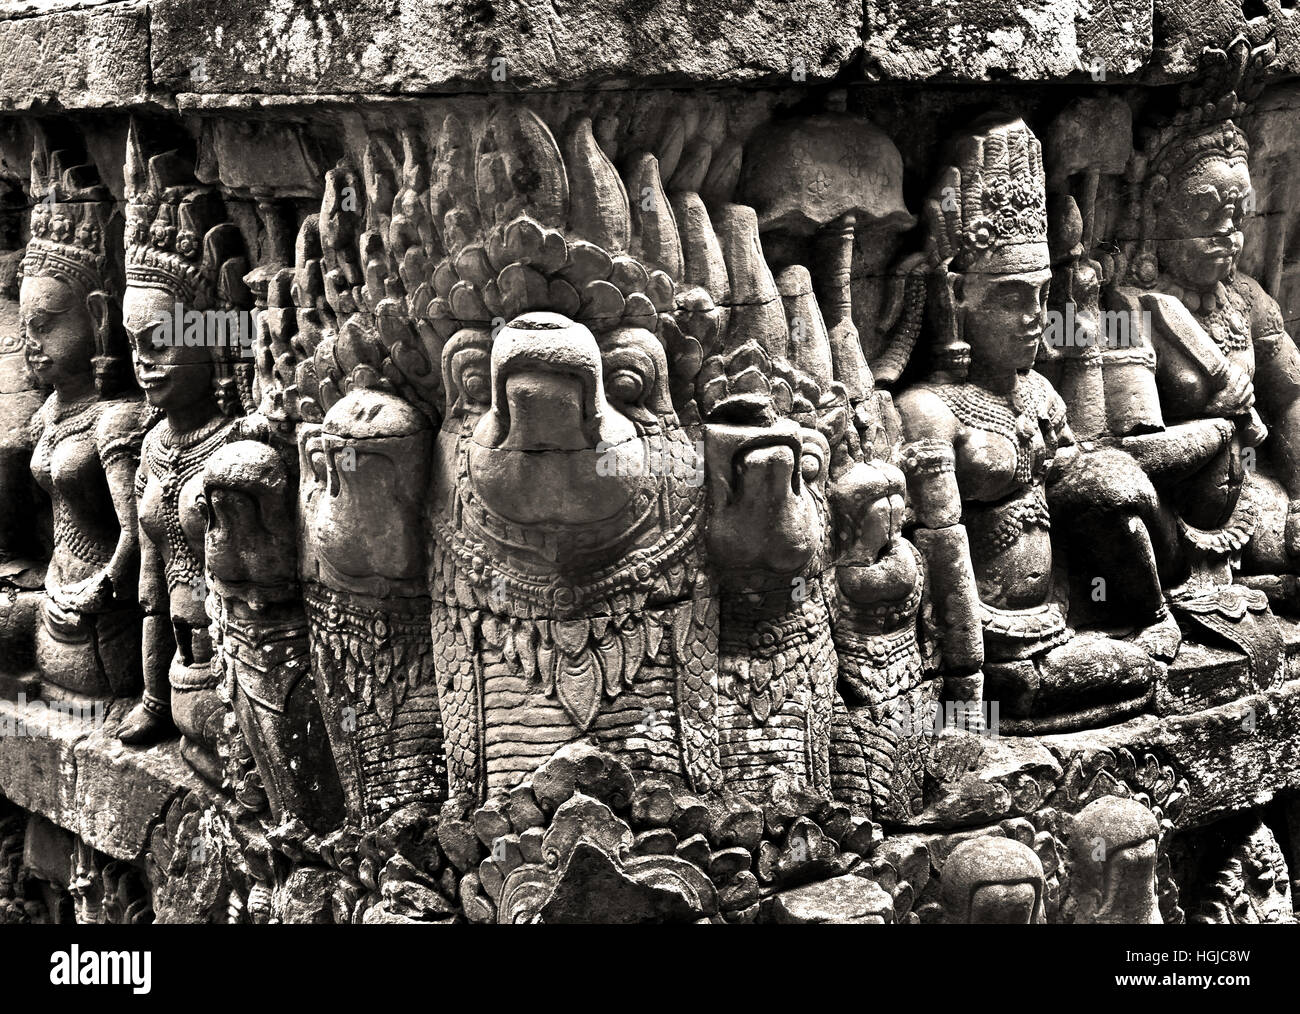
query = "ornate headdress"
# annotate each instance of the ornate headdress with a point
(70, 221)
(178, 240)
(418, 258)
(73, 231)
(986, 214)
(988, 211)
(429, 257)
(1202, 127)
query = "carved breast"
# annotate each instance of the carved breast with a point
(65, 462)
(173, 517)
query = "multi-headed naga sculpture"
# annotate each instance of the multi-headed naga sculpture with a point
(603, 374)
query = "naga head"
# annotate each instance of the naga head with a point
(250, 548)
(570, 442)
(1114, 848)
(766, 471)
(993, 881)
(364, 477)
(566, 482)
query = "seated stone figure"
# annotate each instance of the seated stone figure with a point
(988, 448)
(1228, 375)
(87, 436)
(180, 253)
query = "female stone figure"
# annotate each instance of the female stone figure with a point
(25, 524)
(86, 437)
(180, 259)
(985, 434)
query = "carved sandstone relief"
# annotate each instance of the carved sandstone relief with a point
(631, 509)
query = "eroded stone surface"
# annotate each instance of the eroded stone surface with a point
(434, 498)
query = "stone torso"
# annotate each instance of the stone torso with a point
(74, 444)
(168, 490)
(1002, 457)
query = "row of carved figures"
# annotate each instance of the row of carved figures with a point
(527, 451)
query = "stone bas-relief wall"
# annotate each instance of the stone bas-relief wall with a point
(754, 496)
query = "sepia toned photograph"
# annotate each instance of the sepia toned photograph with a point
(718, 462)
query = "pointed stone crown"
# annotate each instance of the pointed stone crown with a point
(69, 221)
(1203, 125)
(993, 200)
(177, 237)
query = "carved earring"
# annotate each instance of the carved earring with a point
(951, 352)
(1146, 265)
(107, 367)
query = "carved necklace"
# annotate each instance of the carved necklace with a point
(177, 458)
(72, 417)
(1217, 314)
(64, 408)
(981, 409)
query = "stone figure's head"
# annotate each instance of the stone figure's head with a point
(570, 444)
(250, 545)
(1192, 188)
(767, 470)
(184, 290)
(777, 423)
(993, 880)
(1195, 197)
(364, 477)
(68, 309)
(987, 217)
(1113, 855)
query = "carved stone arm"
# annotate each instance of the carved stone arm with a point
(942, 540)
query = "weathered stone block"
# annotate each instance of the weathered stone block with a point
(1033, 40)
(415, 45)
(79, 59)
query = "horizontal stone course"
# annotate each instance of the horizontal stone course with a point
(82, 54)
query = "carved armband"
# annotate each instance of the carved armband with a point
(930, 466)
